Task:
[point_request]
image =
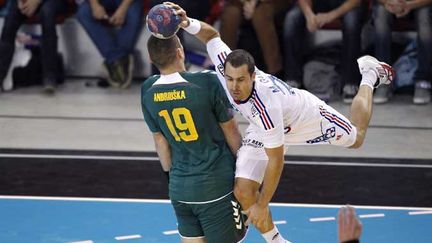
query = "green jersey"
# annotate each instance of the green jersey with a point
(187, 109)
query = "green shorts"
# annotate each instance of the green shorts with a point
(218, 221)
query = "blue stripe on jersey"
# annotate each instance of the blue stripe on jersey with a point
(265, 110)
(337, 124)
(338, 121)
(222, 56)
(268, 123)
(342, 121)
(260, 116)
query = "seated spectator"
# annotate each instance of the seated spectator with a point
(312, 15)
(385, 13)
(113, 26)
(261, 13)
(20, 11)
(197, 9)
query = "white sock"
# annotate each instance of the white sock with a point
(369, 78)
(273, 236)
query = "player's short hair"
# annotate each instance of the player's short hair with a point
(240, 57)
(162, 52)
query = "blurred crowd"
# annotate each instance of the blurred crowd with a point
(279, 33)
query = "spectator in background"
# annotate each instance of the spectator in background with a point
(261, 13)
(312, 15)
(385, 13)
(20, 11)
(197, 9)
(113, 26)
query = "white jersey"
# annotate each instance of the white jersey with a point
(274, 109)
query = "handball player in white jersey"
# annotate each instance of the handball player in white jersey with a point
(280, 115)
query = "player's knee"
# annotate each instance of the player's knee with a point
(244, 194)
(358, 142)
(356, 145)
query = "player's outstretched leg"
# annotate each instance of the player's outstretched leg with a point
(246, 192)
(374, 73)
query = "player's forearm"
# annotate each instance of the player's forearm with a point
(272, 175)
(206, 32)
(164, 151)
(232, 135)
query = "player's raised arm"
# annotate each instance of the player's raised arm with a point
(203, 31)
(216, 48)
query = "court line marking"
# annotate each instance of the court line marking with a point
(241, 120)
(280, 222)
(362, 216)
(128, 237)
(322, 219)
(86, 199)
(170, 232)
(419, 212)
(73, 118)
(90, 157)
(166, 201)
(377, 215)
(355, 164)
(152, 158)
(305, 205)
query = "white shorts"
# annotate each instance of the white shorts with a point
(324, 126)
(251, 158)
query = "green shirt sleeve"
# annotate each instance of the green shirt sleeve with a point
(151, 123)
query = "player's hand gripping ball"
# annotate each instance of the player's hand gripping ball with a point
(162, 21)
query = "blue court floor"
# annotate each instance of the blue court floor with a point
(87, 220)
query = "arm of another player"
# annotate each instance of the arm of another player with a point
(163, 150)
(203, 31)
(258, 213)
(208, 35)
(232, 135)
(349, 226)
(273, 138)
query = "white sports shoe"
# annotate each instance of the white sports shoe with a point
(384, 72)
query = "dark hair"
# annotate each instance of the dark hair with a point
(162, 51)
(240, 57)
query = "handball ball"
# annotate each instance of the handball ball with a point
(162, 21)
